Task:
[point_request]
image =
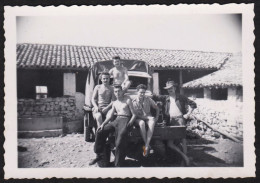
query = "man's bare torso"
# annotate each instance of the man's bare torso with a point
(122, 107)
(118, 74)
(104, 95)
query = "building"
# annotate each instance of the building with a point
(59, 73)
(223, 84)
(63, 68)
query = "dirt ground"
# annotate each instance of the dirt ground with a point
(73, 151)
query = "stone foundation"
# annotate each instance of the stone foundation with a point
(61, 106)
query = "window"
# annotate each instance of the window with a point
(219, 94)
(41, 92)
(135, 81)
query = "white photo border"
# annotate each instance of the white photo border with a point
(11, 154)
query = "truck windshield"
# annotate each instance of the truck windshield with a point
(135, 81)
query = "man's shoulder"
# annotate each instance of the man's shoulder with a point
(127, 98)
(135, 98)
(97, 86)
(110, 87)
(112, 69)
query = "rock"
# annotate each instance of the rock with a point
(44, 163)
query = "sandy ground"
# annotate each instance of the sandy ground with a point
(73, 151)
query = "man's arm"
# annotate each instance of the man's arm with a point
(192, 105)
(111, 72)
(153, 104)
(132, 120)
(108, 118)
(126, 75)
(94, 99)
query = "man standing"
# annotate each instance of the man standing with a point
(125, 118)
(101, 98)
(120, 74)
(142, 106)
(176, 114)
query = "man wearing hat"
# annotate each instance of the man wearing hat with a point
(176, 112)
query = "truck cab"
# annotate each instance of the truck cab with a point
(138, 73)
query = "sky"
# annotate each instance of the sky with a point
(201, 32)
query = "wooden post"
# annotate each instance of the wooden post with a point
(232, 94)
(181, 82)
(156, 90)
(207, 93)
(69, 84)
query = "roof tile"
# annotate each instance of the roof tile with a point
(67, 56)
(230, 74)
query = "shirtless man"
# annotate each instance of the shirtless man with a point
(119, 73)
(102, 96)
(125, 118)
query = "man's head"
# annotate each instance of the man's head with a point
(141, 89)
(118, 91)
(171, 87)
(116, 61)
(105, 77)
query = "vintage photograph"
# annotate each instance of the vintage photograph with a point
(148, 88)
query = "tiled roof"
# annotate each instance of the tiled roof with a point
(81, 57)
(230, 74)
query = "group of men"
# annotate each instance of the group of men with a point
(108, 100)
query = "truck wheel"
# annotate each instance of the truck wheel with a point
(87, 134)
(159, 147)
(105, 161)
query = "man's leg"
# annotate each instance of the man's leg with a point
(121, 140)
(151, 124)
(100, 141)
(182, 122)
(98, 117)
(141, 124)
(171, 145)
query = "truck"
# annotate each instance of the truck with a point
(139, 72)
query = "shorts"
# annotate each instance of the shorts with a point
(100, 111)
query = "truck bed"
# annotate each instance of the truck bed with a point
(162, 133)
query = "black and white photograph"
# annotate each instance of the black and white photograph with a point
(131, 88)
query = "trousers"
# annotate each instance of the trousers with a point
(119, 126)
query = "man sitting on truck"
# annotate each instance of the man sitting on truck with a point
(125, 118)
(102, 97)
(119, 74)
(142, 106)
(176, 114)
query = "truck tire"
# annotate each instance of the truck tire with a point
(159, 148)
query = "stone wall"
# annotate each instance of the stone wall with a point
(222, 115)
(61, 106)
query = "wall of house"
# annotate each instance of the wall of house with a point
(187, 75)
(235, 94)
(28, 79)
(194, 93)
(60, 106)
